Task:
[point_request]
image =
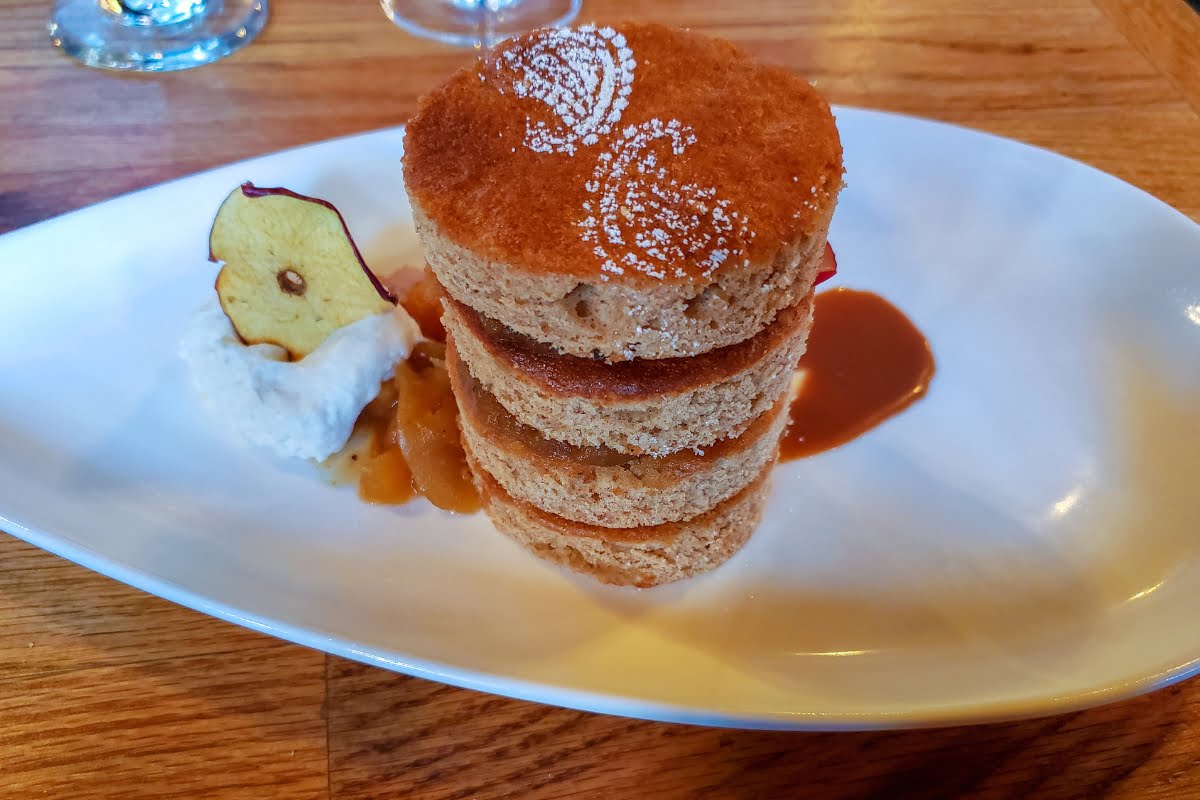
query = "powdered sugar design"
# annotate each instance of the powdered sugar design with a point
(584, 75)
(645, 220)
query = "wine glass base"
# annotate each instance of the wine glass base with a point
(468, 23)
(99, 38)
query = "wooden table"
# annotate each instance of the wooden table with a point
(107, 692)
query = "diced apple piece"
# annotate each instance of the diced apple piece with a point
(828, 266)
(426, 428)
(385, 478)
(423, 302)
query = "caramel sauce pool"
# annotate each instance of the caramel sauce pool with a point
(865, 362)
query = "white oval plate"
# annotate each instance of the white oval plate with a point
(1020, 542)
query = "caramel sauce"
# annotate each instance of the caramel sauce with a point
(865, 362)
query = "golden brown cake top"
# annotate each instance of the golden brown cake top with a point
(634, 153)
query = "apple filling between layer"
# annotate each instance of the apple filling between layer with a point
(569, 375)
(495, 423)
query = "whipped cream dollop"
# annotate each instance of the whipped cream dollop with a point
(301, 409)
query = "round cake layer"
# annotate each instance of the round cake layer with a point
(637, 192)
(620, 322)
(640, 556)
(597, 485)
(637, 407)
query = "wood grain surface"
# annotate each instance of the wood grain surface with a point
(109, 693)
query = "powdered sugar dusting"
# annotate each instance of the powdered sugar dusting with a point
(643, 219)
(584, 75)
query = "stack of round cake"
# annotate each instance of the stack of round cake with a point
(628, 223)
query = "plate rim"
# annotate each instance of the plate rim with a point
(598, 702)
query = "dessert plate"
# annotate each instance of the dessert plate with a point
(1022, 541)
